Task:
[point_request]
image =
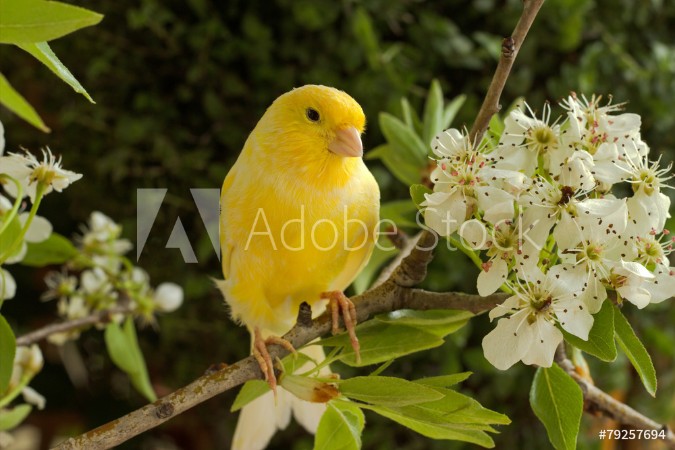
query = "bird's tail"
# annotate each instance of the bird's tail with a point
(260, 419)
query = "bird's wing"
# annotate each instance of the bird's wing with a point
(359, 257)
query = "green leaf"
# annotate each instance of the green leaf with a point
(381, 342)
(249, 392)
(364, 31)
(340, 427)
(455, 416)
(46, 56)
(600, 341)
(433, 113)
(7, 352)
(444, 380)
(401, 212)
(56, 249)
(404, 140)
(404, 168)
(410, 117)
(122, 344)
(440, 322)
(36, 20)
(11, 418)
(387, 391)
(19, 106)
(557, 401)
(417, 192)
(635, 351)
(452, 109)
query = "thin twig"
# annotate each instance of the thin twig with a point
(596, 400)
(510, 48)
(69, 325)
(385, 298)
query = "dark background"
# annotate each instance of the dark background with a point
(180, 84)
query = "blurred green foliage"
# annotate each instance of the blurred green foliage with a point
(180, 84)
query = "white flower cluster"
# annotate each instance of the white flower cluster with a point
(23, 175)
(563, 212)
(106, 279)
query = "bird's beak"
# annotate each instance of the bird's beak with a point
(347, 142)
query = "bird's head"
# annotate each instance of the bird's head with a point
(313, 127)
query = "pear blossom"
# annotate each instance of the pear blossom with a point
(29, 172)
(527, 329)
(60, 285)
(464, 184)
(28, 361)
(505, 248)
(540, 201)
(648, 204)
(525, 138)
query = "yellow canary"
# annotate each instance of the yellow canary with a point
(299, 212)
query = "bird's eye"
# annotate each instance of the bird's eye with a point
(313, 114)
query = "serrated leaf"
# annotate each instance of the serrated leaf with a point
(340, 427)
(444, 380)
(452, 109)
(403, 169)
(404, 140)
(122, 344)
(381, 342)
(13, 417)
(19, 106)
(600, 341)
(635, 351)
(417, 192)
(387, 391)
(401, 212)
(249, 392)
(439, 322)
(56, 249)
(43, 53)
(37, 20)
(557, 401)
(7, 352)
(433, 113)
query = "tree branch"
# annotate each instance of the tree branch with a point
(385, 298)
(510, 48)
(596, 400)
(69, 325)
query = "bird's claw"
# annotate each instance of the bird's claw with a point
(262, 355)
(340, 303)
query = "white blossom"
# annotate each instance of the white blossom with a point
(527, 329)
(29, 172)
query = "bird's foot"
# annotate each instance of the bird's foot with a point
(340, 303)
(263, 357)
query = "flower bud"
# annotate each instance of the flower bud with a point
(168, 297)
